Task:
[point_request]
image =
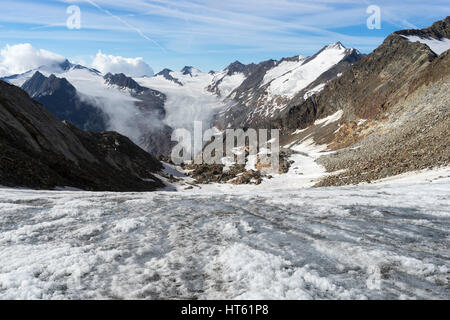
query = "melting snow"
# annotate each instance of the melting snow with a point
(380, 241)
(299, 131)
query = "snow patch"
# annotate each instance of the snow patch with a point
(314, 91)
(437, 46)
(330, 119)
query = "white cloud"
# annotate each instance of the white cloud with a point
(133, 67)
(23, 57)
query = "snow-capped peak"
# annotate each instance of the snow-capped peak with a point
(235, 67)
(191, 71)
(337, 45)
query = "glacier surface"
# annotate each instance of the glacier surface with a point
(388, 240)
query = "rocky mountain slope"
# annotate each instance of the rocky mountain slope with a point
(394, 111)
(262, 91)
(381, 114)
(39, 151)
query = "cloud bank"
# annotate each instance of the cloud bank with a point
(20, 58)
(133, 67)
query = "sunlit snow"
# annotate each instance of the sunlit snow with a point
(437, 46)
(302, 75)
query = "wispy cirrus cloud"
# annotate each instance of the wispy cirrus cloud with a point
(208, 27)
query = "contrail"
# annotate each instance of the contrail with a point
(125, 23)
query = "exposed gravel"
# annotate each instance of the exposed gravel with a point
(416, 137)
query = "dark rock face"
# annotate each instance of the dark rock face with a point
(39, 151)
(122, 81)
(166, 73)
(35, 83)
(157, 140)
(62, 99)
(188, 71)
(66, 65)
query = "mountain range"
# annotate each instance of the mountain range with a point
(383, 114)
(239, 96)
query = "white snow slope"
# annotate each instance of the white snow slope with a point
(227, 84)
(297, 76)
(388, 240)
(437, 46)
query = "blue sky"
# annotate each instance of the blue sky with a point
(208, 34)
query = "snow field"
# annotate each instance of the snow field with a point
(387, 240)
